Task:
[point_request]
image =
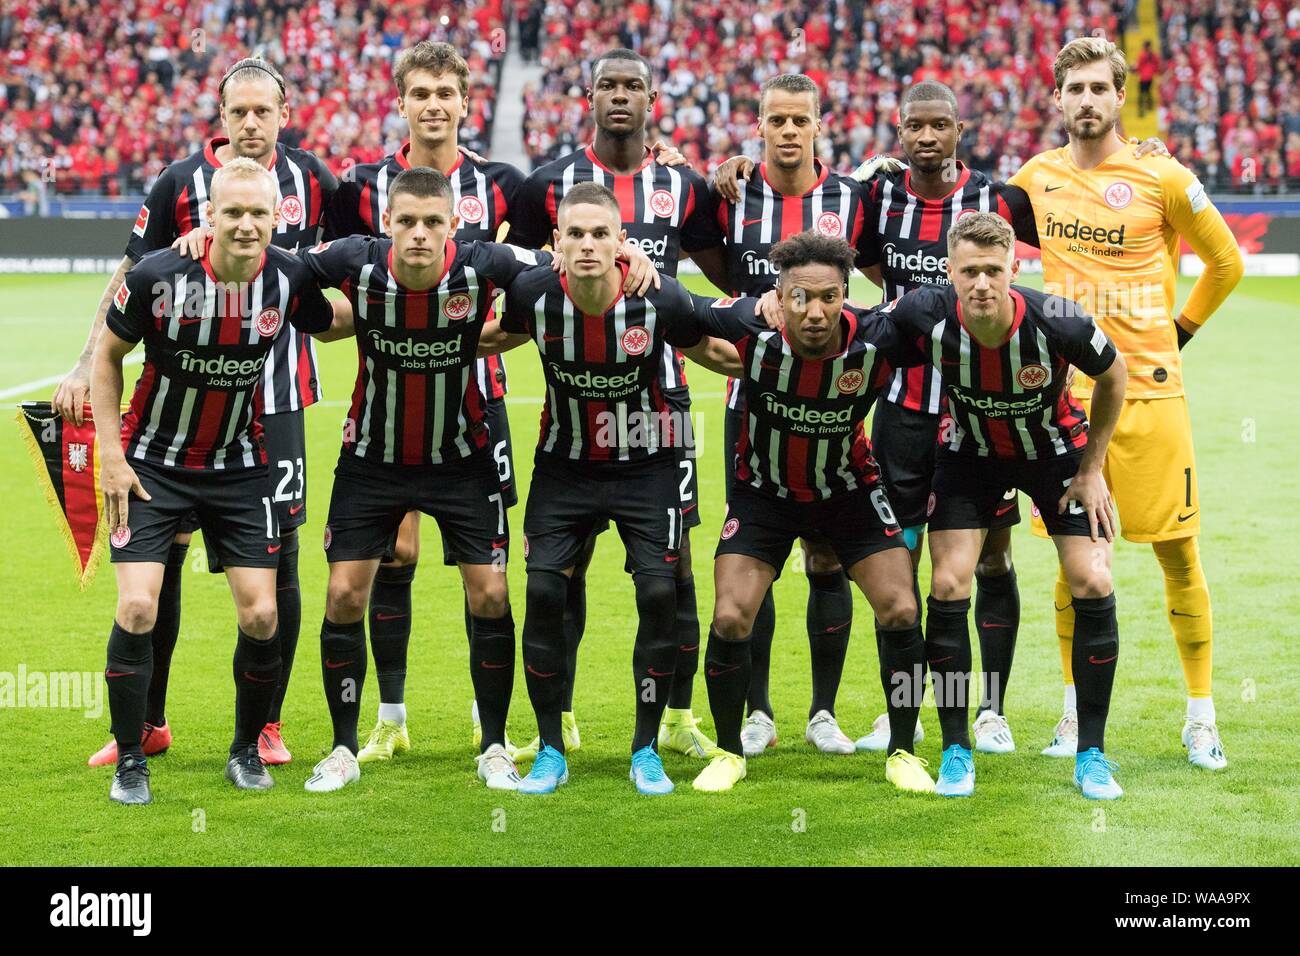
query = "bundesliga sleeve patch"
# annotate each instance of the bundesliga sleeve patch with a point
(122, 297)
(724, 303)
(141, 222)
(1098, 341)
(524, 255)
(1196, 196)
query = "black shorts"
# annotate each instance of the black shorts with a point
(370, 499)
(970, 491)
(284, 438)
(854, 524)
(905, 444)
(231, 507)
(688, 479)
(503, 458)
(568, 501)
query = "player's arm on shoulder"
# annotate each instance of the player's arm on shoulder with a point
(689, 332)
(717, 355)
(530, 226)
(73, 392)
(502, 263)
(726, 318)
(901, 347)
(310, 312)
(727, 177)
(1016, 208)
(1191, 214)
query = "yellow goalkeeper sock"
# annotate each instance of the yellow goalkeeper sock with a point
(1187, 602)
(1062, 602)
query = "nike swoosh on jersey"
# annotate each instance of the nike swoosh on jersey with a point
(1186, 516)
(750, 222)
(1049, 189)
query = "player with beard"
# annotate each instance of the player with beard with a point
(665, 212)
(1110, 228)
(253, 112)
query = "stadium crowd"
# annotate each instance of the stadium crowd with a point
(70, 76)
(97, 98)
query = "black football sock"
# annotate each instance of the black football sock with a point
(343, 669)
(727, 667)
(575, 624)
(760, 656)
(166, 629)
(543, 644)
(654, 655)
(390, 629)
(902, 656)
(469, 623)
(997, 620)
(257, 679)
(947, 650)
(830, 618)
(127, 673)
(688, 645)
(1095, 652)
(492, 669)
(288, 608)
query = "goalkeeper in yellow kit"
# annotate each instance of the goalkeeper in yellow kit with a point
(1109, 228)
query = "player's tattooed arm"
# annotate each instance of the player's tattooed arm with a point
(74, 391)
(116, 477)
(716, 355)
(494, 340)
(729, 174)
(1088, 487)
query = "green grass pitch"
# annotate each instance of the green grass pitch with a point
(797, 807)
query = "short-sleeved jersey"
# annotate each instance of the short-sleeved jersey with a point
(1109, 238)
(177, 203)
(1008, 402)
(604, 392)
(416, 400)
(198, 402)
(664, 209)
(907, 236)
(762, 217)
(482, 195)
(803, 437)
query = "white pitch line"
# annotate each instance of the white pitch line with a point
(16, 390)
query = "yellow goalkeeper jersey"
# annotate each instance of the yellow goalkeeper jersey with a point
(1109, 239)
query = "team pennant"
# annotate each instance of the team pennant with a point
(66, 456)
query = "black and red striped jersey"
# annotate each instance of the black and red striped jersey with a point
(907, 236)
(1011, 401)
(482, 195)
(177, 203)
(803, 437)
(763, 216)
(665, 211)
(416, 400)
(605, 398)
(198, 402)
